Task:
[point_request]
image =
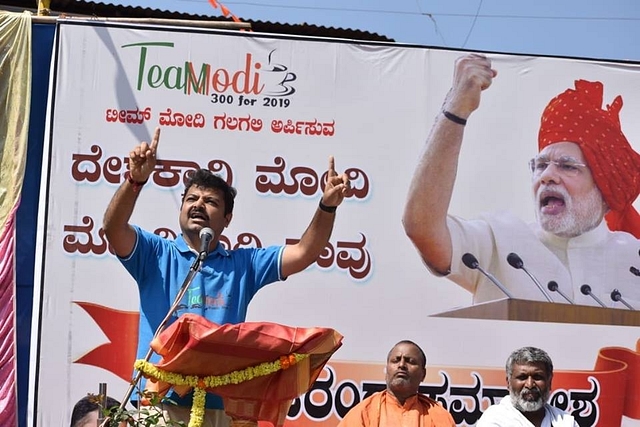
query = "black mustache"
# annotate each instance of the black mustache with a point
(198, 210)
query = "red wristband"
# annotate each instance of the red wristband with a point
(136, 185)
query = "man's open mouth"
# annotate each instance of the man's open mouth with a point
(551, 202)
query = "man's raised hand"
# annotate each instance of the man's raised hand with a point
(142, 159)
(336, 187)
(472, 75)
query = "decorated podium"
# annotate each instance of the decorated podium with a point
(541, 311)
(257, 368)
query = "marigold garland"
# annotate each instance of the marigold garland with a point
(199, 384)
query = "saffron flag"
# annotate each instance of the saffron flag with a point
(224, 9)
(195, 346)
(15, 95)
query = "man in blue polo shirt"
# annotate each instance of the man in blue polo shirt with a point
(228, 279)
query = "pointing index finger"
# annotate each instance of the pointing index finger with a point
(155, 140)
(332, 166)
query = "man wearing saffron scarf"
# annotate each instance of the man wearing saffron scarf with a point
(529, 375)
(400, 404)
(584, 180)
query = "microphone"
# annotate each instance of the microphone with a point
(634, 271)
(553, 287)
(516, 262)
(617, 296)
(206, 235)
(586, 290)
(472, 262)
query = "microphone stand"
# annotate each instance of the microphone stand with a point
(193, 270)
(471, 262)
(617, 297)
(586, 290)
(495, 282)
(515, 261)
(553, 287)
(546, 295)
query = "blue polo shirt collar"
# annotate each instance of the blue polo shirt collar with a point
(183, 247)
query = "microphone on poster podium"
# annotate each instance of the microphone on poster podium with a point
(516, 262)
(586, 290)
(553, 287)
(472, 262)
(617, 296)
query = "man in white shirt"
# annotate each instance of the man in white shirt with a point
(529, 376)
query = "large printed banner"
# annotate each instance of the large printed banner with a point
(266, 113)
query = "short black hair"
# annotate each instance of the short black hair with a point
(87, 405)
(424, 357)
(529, 356)
(204, 178)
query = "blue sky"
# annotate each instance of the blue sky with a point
(596, 29)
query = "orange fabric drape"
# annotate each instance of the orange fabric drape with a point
(195, 346)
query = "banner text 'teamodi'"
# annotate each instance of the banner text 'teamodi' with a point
(202, 79)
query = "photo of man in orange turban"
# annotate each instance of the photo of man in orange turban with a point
(585, 171)
(577, 116)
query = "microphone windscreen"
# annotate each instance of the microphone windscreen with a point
(514, 260)
(585, 289)
(616, 295)
(206, 235)
(206, 231)
(553, 286)
(470, 261)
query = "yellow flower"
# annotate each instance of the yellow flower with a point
(212, 381)
(197, 409)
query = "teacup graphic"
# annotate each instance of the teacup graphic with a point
(276, 79)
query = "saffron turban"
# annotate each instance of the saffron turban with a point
(576, 115)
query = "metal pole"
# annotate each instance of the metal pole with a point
(195, 267)
(102, 395)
